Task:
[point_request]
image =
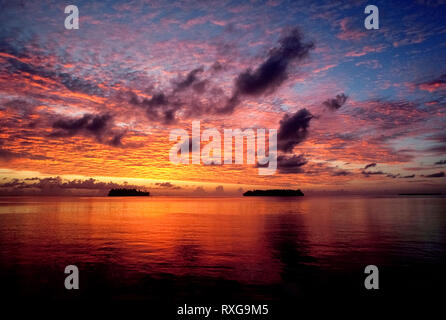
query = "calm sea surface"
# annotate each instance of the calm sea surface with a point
(214, 249)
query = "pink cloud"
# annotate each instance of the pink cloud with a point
(347, 32)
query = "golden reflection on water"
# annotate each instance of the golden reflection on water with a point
(249, 240)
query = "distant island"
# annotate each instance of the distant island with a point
(421, 194)
(274, 193)
(127, 193)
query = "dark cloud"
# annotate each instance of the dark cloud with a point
(116, 140)
(25, 117)
(217, 67)
(274, 70)
(167, 185)
(196, 93)
(372, 173)
(288, 164)
(159, 108)
(440, 162)
(388, 175)
(190, 95)
(230, 105)
(95, 124)
(99, 126)
(200, 86)
(157, 100)
(293, 130)
(341, 173)
(194, 99)
(370, 165)
(189, 80)
(59, 186)
(336, 103)
(435, 175)
(394, 176)
(291, 164)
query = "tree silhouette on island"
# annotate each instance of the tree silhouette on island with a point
(127, 193)
(274, 193)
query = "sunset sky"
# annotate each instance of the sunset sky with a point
(89, 109)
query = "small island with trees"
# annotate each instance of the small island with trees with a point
(274, 193)
(127, 193)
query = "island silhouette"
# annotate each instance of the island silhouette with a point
(127, 193)
(421, 194)
(274, 193)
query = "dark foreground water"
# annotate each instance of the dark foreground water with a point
(221, 250)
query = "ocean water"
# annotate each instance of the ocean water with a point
(210, 250)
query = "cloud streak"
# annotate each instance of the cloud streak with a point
(336, 103)
(293, 129)
(99, 126)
